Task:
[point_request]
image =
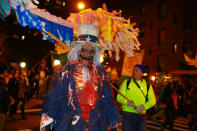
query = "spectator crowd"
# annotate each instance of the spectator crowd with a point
(173, 97)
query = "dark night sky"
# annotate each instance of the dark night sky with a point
(71, 6)
(33, 48)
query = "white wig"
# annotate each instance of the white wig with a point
(73, 54)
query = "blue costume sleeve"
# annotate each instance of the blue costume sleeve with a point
(57, 105)
(56, 94)
(109, 108)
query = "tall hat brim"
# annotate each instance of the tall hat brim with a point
(74, 43)
(87, 33)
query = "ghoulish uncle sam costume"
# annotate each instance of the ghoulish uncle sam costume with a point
(81, 97)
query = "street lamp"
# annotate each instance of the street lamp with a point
(153, 78)
(56, 62)
(23, 37)
(81, 5)
(22, 64)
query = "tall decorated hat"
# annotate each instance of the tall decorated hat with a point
(87, 33)
(115, 33)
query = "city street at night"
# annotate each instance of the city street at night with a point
(98, 65)
(32, 121)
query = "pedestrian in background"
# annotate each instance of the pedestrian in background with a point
(4, 100)
(141, 98)
(13, 90)
(193, 105)
(170, 104)
(180, 92)
(23, 83)
(36, 85)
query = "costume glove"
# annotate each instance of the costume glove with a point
(140, 108)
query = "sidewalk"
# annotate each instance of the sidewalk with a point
(32, 105)
(31, 123)
(32, 114)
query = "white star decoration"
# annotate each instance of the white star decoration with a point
(88, 39)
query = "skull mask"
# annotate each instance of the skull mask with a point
(86, 54)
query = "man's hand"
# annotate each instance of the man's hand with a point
(130, 103)
(140, 108)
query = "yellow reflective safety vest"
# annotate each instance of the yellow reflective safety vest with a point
(132, 92)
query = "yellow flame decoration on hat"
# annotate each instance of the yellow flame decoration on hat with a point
(115, 32)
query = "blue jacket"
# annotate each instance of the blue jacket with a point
(57, 105)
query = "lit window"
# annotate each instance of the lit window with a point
(63, 3)
(175, 47)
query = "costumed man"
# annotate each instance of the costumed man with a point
(140, 96)
(81, 97)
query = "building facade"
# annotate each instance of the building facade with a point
(167, 32)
